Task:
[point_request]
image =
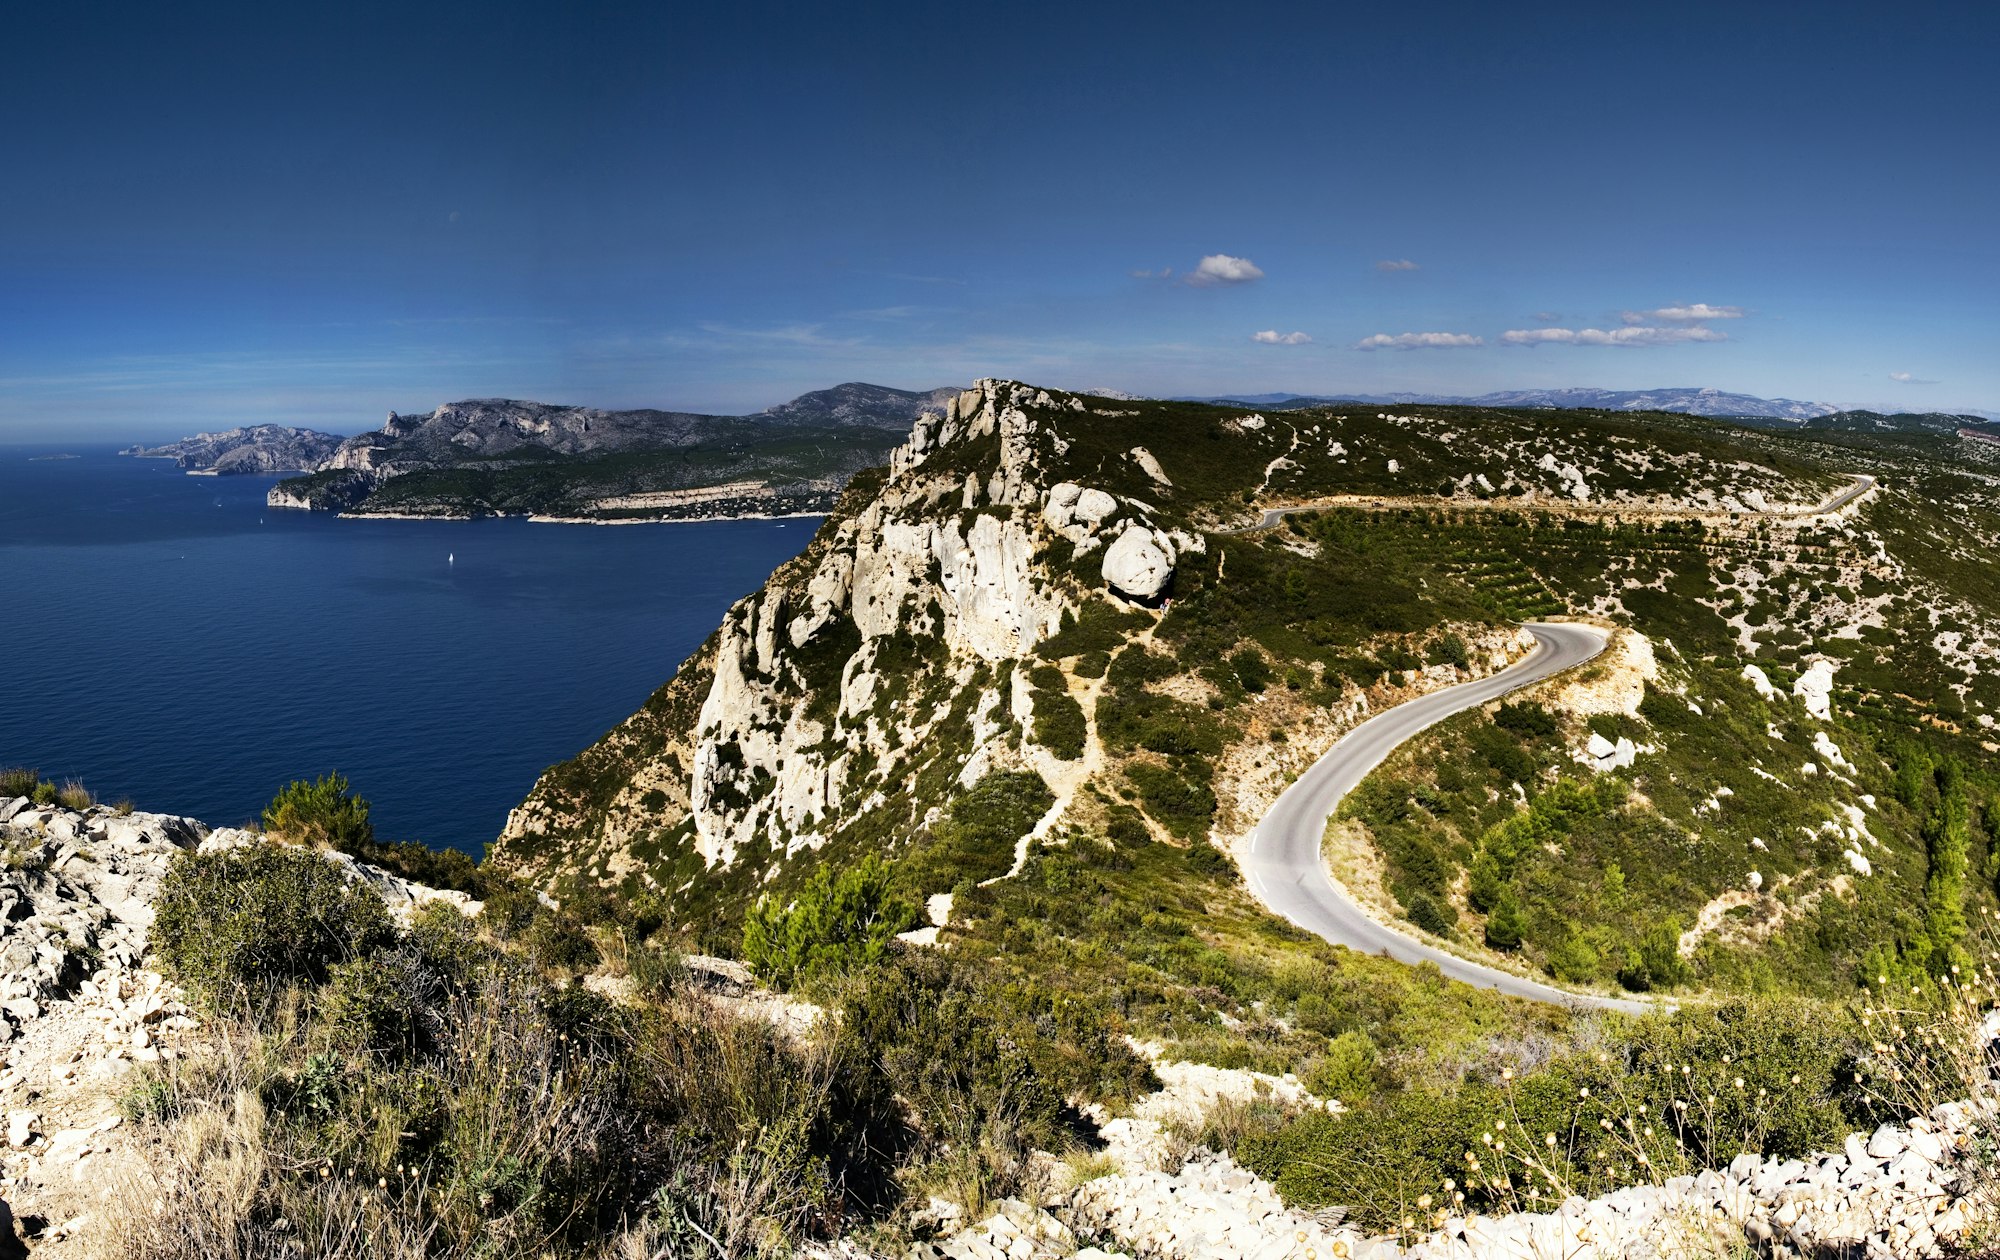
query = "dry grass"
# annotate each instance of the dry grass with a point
(531, 1144)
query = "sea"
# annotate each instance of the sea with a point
(168, 639)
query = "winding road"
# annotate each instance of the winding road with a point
(1287, 869)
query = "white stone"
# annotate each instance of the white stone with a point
(1815, 689)
(1140, 563)
(1761, 681)
(1150, 466)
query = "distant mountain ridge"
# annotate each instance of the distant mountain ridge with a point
(257, 448)
(487, 456)
(1691, 401)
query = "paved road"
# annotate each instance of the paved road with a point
(1274, 517)
(1287, 870)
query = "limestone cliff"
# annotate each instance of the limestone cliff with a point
(885, 652)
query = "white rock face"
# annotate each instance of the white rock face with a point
(1760, 680)
(1140, 563)
(1150, 466)
(1815, 689)
(765, 775)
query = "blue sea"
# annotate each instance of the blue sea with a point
(169, 639)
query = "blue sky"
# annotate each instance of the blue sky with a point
(213, 214)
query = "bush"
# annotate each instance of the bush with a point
(1060, 725)
(18, 781)
(1181, 805)
(1433, 916)
(557, 940)
(1349, 1071)
(1777, 1079)
(242, 924)
(1527, 719)
(976, 838)
(1251, 671)
(1450, 649)
(323, 812)
(1575, 959)
(1209, 860)
(73, 795)
(1505, 926)
(835, 925)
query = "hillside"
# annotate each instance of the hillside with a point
(259, 448)
(1058, 660)
(1047, 597)
(507, 457)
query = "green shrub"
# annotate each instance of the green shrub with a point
(45, 793)
(242, 924)
(1430, 914)
(558, 940)
(1656, 963)
(1209, 860)
(322, 812)
(835, 925)
(369, 1006)
(976, 838)
(1776, 1079)
(1527, 719)
(1350, 1070)
(1250, 670)
(1127, 826)
(18, 781)
(73, 795)
(1060, 725)
(1450, 649)
(1179, 803)
(1575, 959)
(1505, 925)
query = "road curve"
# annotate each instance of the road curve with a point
(1287, 869)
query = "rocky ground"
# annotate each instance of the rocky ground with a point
(80, 1011)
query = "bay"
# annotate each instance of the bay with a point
(168, 639)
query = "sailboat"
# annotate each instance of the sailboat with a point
(451, 557)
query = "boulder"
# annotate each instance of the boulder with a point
(1815, 689)
(1140, 563)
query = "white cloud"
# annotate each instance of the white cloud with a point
(1547, 317)
(1163, 273)
(1396, 264)
(1272, 337)
(1909, 378)
(1224, 269)
(1693, 313)
(1419, 341)
(1628, 336)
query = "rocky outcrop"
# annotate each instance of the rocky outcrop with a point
(765, 768)
(879, 653)
(80, 1008)
(1140, 563)
(259, 448)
